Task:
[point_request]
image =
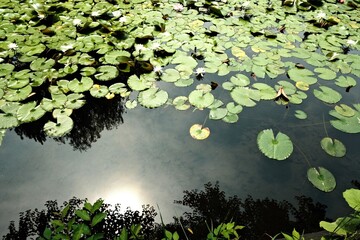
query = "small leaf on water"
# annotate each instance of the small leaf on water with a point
(333, 147)
(198, 132)
(322, 179)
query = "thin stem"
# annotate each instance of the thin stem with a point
(307, 160)
(325, 126)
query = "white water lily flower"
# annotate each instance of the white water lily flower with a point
(200, 72)
(12, 46)
(64, 48)
(246, 4)
(155, 45)
(140, 47)
(351, 42)
(123, 19)
(116, 13)
(158, 70)
(77, 22)
(41, 16)
(321, 15)
(178, 7)
(95, 13)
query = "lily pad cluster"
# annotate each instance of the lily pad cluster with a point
(55, 55)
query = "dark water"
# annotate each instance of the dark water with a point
(151, 158)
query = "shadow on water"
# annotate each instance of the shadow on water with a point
(89, 121)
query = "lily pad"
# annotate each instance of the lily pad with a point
(198, 132)
(64, 111)
(131, 104)
(99, 91)
(327, 95)
(106, 73)
(57, 101)
(138, 84)
(200, 99)
(80, 86)
(325, 73)
(15, 95)
(170, 75)
(279, 147)
(347, 124)
(245, 96)
(266, 92)
(152, 97)
(345, 110)
(63, 126)
(345, 81)
(8, 120)
(218, 113)
(6, 68)
(233, 108)
(74, 101)
(29, 112)
(322, 179)
(300, 114)
(181, 103)
(352, 197)
(333, 147)
(41, 64)
(303, 75)
(118, 88)
(302, 85)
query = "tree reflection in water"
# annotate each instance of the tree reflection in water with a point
(89, 121)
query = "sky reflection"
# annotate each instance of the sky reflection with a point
(153, 156)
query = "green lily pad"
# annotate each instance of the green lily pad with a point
(152, 97)
(299, 114)
(8, 120)
(117, 57)
(266, 92)
(18, 83)
(347, 124)
(333, 147)
(29, 112)
(16, 95)
(218, 113)
(279, 147)
(118, 88)
(233, 108)
(240, 80)
(106, 73)
(138, 84)
(63, 125)
(99, 91)
(198, 132)
(56, 101)
(345, 110)
(325, 73)
(87, 71)
(181, 103)
(170, 75)
(245, 96)
(327, 95)
(64, 111)
(352, 197)
(200, 99)
(6, 68)
(345, 81)
(80, 86)
(322, 179)
(231, 118)
(303, 75)
(74, 101)
(184, 82)
(41, 64)
(302, 85)
(131, 104)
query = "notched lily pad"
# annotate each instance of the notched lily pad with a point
(198, 132)
(322, 179)
(333, 147)
(279, 147)
(200, 99)
(63, 125)
(152, 97)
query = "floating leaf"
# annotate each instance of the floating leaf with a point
(322, 179)
(18, 83)
(266, 92)
(74, 101)
(303, 75)
(234, 109)
(41, 64)
(8, 120)
(6, 68)
(352, 197)
(347, 124)
(131, 104)
(200, 99)
(180, 103)
(118, 88)
(245, 96)
(57, 101)
(218, 113)
(300, 114)
(63, 126)
(80, 86)
(106, 73)
(152, 97)
(240, 80)
(279, 147)
(231, 118)
(138, 84)
(333, 147)
(99, 91)
(327, 95)
(117, 57)
(170, 75)
(344, 110)
(325, 73)
(15, 95)
(64, 111)
(29, 112)
(302, 85)
(345, 81)
(198, 132)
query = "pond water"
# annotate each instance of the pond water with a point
(151, 158)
